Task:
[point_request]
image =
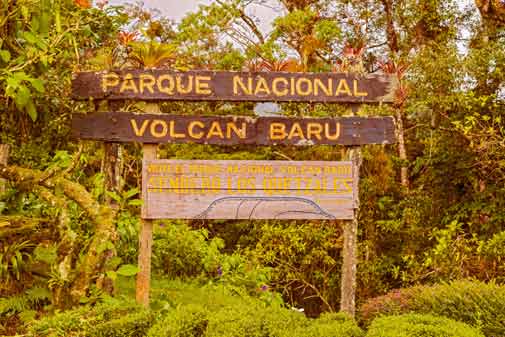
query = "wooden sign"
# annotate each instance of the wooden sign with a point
(162, 85)
(197, 189)
(219, 130)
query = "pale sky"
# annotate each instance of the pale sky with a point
(177, 9)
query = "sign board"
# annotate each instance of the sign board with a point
(199, 189)
(219, 130)
(163, 85)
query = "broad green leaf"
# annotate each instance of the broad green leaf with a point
(22, 97)
(104, 246)
(114, 196)
(5, 55)
(112, 275)
(127, 270)
(38, 85)
(31, 110)
(135, 202)
(130, 193)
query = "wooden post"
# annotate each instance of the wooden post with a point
(143, 285)
(350, 249)
(4, 157)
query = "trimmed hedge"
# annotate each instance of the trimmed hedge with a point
(186, 321)
(475, 303)
(416, 325)
(109, 319)
(249, 320)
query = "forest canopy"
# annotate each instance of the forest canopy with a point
(431, 205)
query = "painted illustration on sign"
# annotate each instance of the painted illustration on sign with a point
(248, 190)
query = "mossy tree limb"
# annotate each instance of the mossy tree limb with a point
(101, 215)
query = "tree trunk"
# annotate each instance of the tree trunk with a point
(101, 215)
(402, 151)
(4, 157)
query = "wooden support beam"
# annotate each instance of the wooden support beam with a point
(143, 285)
(350, 249)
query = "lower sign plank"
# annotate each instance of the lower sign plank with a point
(232, 130)
(196, 189)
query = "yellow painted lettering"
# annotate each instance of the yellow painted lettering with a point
(128, 84)
(262, 87)
(292, 86)
(241, 133)
(184, 89)
(168, 87)
(215, 130)
(275, 86)
(139, 132)
(278, 131)
(296, 131)
(300, 87)
(314, 129)
(174, 182)
(109, 80)
(238, 82)
(147, 81)
(202, 85)
(318, 84)
(155, 132)
(357, 93)
(327, 133)
(343, 87)
(191, 129)
(173, 133)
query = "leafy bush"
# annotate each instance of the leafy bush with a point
(415, 325)
(132, 325)
(475, 303)
(181, 252)
(111, 318)
(186, 321)
(250, 319)
(303, 258)
(328, 325)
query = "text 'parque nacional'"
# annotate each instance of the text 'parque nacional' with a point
(233, 86)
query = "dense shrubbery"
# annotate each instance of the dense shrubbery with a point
(475, 303)
(415, 325)
(108, 319)
(250, 320)
(182, 310)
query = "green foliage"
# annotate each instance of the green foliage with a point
(32, 298)
(131, 325)
(475, 303)
(180, 252)
(110, 318)
(303, 257)
(420, 326)
(185, 321)
(14, 260)
(249, 320)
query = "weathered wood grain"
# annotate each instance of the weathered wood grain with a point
(233, 130)
(163, 85)
(179, 189)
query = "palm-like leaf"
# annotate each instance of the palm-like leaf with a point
(152, 54)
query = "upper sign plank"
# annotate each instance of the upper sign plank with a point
(164, 85)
